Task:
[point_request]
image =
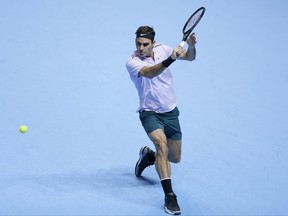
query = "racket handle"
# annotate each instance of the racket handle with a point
(182, 43)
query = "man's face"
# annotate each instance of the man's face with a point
(144, 46)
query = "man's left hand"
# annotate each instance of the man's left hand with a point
(191, 40)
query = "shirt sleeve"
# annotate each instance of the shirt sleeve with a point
(134, 65)
(168, 50)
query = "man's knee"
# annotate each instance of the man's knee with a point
(174, 151)
(175, 158)
(161, 149)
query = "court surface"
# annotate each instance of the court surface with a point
(62, 73)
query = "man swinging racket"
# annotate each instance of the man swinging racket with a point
(149, 70)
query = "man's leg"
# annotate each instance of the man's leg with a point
(163, 168)
(174, 147)
(162, 163)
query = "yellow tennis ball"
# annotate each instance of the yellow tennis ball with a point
(23, 129)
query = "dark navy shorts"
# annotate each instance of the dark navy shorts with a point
(168, 121)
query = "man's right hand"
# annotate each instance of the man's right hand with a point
(177, 51)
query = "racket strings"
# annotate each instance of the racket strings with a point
(193, 21)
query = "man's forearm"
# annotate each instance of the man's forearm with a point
(152, 71)
(191, 53)
(155, 70)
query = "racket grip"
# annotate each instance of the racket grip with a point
(182, 43)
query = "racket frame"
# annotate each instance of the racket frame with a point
(188, 32)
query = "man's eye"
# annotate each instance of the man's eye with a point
(144, 44)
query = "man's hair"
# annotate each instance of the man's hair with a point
(146, 32)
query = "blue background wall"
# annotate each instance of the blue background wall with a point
(62, 73)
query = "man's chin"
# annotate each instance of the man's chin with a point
(142, 55)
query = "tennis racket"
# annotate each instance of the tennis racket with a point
(191, 24)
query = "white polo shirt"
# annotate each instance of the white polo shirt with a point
(155, 94)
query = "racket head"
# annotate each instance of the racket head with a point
(192, 22)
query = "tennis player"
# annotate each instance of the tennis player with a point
(149, 70)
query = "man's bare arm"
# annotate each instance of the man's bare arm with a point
(150, 72)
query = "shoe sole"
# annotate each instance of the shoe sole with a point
(172, 212)
(139, 160)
